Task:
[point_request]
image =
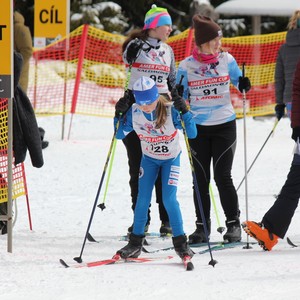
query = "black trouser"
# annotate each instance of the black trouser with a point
(134, 154)
(215, 143)
(278, 218)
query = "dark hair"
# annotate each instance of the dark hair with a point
(136, 33)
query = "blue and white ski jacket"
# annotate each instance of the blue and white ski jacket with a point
(207, 87)
(156, 60)
(162, 143)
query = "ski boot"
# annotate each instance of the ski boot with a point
(133, 248)
(234, 232)
(266, 239)
(181, 246)
(165, 229)
(199, 236)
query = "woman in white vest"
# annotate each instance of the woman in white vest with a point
(206, 76)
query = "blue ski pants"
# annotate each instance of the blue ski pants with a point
(149, 170)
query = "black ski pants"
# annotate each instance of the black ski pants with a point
(215, 144)
(134, 154)
(278, 218)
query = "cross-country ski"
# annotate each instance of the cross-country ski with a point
(116, 259)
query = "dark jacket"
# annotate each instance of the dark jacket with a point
(295, 117)
(287, 58)
(26, 134)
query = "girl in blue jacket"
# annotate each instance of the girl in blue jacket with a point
(156, 122)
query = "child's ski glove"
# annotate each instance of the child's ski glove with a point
(122, 105)
(178, 101)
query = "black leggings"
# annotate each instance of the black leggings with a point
(278, 218)
(134, 154)
(215, 143)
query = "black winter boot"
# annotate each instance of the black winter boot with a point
(181, 246)
(133, 248)
(234, 232)
(198, 236)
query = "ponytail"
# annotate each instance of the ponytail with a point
(161, 111)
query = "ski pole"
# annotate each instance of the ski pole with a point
(220, 228)
(112, 145)
(79, 258)
(102, 204)
(212, 261)
(245, 155)
(272, 131)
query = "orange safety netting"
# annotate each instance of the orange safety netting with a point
(84, 72)
(19, 187)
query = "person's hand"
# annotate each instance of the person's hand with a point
(133, 51)
(122, 105)
(179, 88)
(296, 134)
(244, 84)
(279, 110)
(178, 101)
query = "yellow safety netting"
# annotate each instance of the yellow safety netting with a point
(84, 72)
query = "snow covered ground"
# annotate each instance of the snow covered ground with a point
(62, 194)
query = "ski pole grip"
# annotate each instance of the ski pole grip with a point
(181, 78)
(179, 86)
(243, 70)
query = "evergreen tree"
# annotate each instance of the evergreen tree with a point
(130, 14)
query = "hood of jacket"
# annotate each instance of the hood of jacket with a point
(18, 18)
(293, 37)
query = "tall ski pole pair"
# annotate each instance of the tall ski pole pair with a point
(196, 187)
(110, 152)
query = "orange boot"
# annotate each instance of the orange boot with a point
(266, 239)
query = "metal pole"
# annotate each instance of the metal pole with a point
(66, 68)
(272, 131)
(10, 139)
(245, 157)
